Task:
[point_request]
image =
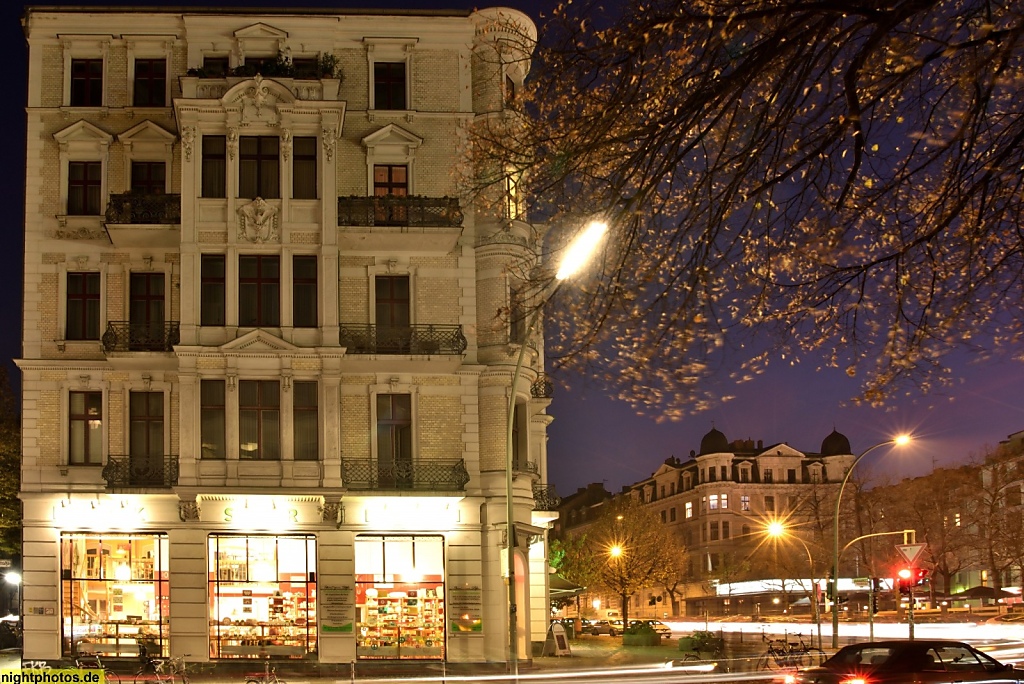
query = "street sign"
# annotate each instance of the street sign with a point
(911, 551)
(5, 563)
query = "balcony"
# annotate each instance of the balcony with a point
(435, 475)
(124, 336)
(431, 340)
(542, 388)
(141, 471)
(545, 498)
(388, 223)
(144, 220)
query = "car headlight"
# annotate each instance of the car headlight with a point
(855, 680)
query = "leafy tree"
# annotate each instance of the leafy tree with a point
(574, 559)
(10, 469)
(784, 180)
(634, 550)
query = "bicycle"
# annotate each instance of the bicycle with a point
(786, 655)
(163, 671)
(706, 646)
(93, 662)
(269, 675)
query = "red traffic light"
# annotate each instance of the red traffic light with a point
(905, 573)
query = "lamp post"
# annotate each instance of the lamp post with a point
(898, 441)
(574, 259)
(777, 530)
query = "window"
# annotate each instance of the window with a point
(768, 476)
(212, 419)
(712, 475)
(394, 440)
(150, 83)
(259, 172)
(671, 488)
(390, 180)
(725, 529)
(256, 580)
(713, 502)
(689, 509)
(84, 186)
(519, 449)
(662, 491)
(304, 167)
(212, 289)
(745, 530)
(148, 178)
(87, 83)
(389, 85)
(83, 306)
(85, 428)
(714, 530)
(392, 306)
(725, 473)
(146, 312)
(672, 514)
(769, 503)
(259, 291)
(515, 204)
(510, 91)
(215, 67)
(815, 475)
(703, 505)
(215, 165)
(306, 67)
(106, 577)
(744, 474)
(744, 502)
(304, 292)
(725, 501)
(305, 421)
(704, 533)
(664, 517)
(516, 316)
(259, 420)
(146, 439)
(791, 476)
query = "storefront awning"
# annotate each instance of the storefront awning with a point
(562, 588)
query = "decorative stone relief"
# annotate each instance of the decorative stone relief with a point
(80, 234)
(330, 139)
(329, 511)
(286, 143)
(188, 138)
(232, 142)
(188, 511)
(257, 222)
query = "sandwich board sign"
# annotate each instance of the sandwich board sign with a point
(911, 552)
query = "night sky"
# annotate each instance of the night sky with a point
(594, 438)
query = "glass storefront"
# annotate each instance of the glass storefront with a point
(262, 596)
(400, 598)
(114, 594)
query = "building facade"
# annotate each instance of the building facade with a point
(265, 388)
(716, 505)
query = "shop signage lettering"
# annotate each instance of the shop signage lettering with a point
(337, 608)
(292, 514)
(465, 609)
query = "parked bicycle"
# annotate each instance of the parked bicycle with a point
(163, 670)
(782, 654)
(705, 646)
(93, 662)
(269, 675)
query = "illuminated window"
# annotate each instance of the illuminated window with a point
(689, 509)
(85, 429)
(262, 596)
(713, 502)
(114, 594)
(724, 500)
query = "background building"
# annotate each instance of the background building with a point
(267, 350)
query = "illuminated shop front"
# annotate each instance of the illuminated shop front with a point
(115, 594)
(400, 597)
(262, 596)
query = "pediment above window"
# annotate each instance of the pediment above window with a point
(258, 99)
(83, 136)
(258, 341)
(394, 138)
(147, 137)
(261, 30)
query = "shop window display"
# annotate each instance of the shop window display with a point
(400, 598)
(262, 596)
(114, 594)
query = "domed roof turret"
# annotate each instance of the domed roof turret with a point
(836, 444)
(714, 443)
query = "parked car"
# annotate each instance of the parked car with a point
(658, 626)
(905, 662)
(600, 627)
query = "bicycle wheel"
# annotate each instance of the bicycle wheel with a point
(763, 661)
(110, 677)
(254, 681)
(690, 657)
(775, 662)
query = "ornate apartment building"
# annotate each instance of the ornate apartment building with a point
(716, 504)
(265, 384)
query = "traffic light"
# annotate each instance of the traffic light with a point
(905, 580)
(876, 587)
(830, 590)
(920, 576)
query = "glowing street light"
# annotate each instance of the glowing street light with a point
(899, 440)
(575, 258)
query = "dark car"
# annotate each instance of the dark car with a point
(922, 661)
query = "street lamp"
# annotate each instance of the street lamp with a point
(897, 441)
(575, 258)
(778, 530)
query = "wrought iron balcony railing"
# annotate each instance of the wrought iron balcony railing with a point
(525, 467)
(367, 338)
(542, 388)
(141, 471)
(392, 210)
(545, 498)
(123, 336)
(144, 208)
(419, 474)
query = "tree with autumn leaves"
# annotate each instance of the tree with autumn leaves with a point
(835, 184)
(10, 470)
